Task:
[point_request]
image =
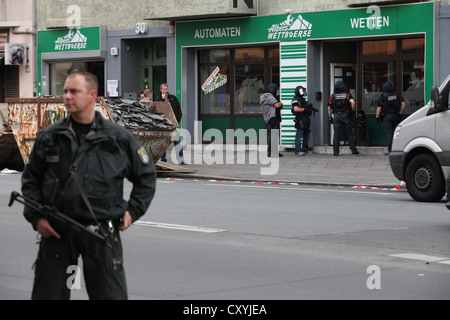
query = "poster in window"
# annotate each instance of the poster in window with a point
(16, 54)
(112, 88)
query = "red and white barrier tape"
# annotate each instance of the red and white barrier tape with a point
(294, 184)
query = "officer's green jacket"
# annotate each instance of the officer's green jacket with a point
(113, 153)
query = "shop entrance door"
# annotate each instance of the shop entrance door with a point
(343, 72)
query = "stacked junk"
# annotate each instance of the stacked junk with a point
(153, 124)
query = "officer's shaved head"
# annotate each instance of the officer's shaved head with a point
(90, 79)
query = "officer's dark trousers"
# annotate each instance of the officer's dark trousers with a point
(273, 124)
(102, 268)
(302, 135)
(390, 121)
(342, 122)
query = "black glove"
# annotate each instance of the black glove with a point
(330, 120)
(378, 120)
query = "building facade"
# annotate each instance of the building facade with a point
(218, 57)
(17, 49)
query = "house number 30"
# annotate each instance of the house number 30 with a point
(141, 28)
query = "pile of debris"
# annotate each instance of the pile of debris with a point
(134, 115)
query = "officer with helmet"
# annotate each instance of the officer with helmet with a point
(301, 109)
(341, 105)
(390, 107)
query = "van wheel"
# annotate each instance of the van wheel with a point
(424, 179)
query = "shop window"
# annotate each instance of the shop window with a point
(382, 47)
(413, 84)
(60, 70)
(249, 84)
(215, 96)
(413, 45)
(213, 56)
(231, 82)
(398, 60)
(274, 53)
(375, 74)
(249, 54)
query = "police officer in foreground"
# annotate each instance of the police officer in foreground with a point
(78, 165)
(302, 112)
(341, 105)
(390, 107)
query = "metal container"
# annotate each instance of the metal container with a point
(28, 116)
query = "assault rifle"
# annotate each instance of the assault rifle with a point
(65, 223)
(309, 107)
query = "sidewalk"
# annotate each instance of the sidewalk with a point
(368, 169)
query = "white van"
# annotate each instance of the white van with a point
(421, 148)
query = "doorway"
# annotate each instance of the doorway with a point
(345, 72)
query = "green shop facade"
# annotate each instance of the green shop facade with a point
(62, 51)
(223, 66)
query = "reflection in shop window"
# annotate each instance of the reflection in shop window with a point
(385, 47)
(413, 85)
(59, 72)
(249, 54)
(413, 45)
(249, 84)
(216, 55)
(375, 74)
(215, 99)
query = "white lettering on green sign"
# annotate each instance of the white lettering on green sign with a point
(375, 21)
(370, 22)
(217, 32)
(74, 40)
(294, 27)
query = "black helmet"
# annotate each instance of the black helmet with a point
(273, 88)
(388, 87)
(340, 87)
(300, 91)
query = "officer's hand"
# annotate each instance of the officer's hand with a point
(45, 229)
(330, 120)
(378, 120)
(126, 221)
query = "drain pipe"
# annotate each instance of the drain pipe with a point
(33, 33)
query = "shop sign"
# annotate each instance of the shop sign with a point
(217, 33)
(375, 21)
(72, 40)
(294, 27)
(214, 81)
(366, 22)
(16, 54)
(69, 40)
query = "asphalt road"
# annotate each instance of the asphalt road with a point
(208, 240)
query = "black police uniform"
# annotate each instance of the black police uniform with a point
(342, 110)
(390, 103)
(108, 153)
(302, 121)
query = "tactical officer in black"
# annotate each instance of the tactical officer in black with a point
(390, 107)
(302, 110)
(341, 105)
(78, 166)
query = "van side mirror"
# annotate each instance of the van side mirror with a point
(435, 103)
(435, 98)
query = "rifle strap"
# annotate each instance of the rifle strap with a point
(73, 173)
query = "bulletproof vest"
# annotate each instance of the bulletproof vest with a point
(302, 104)
(340, 102)
(391, 103)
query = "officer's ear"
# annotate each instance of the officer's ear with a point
(94, 95)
